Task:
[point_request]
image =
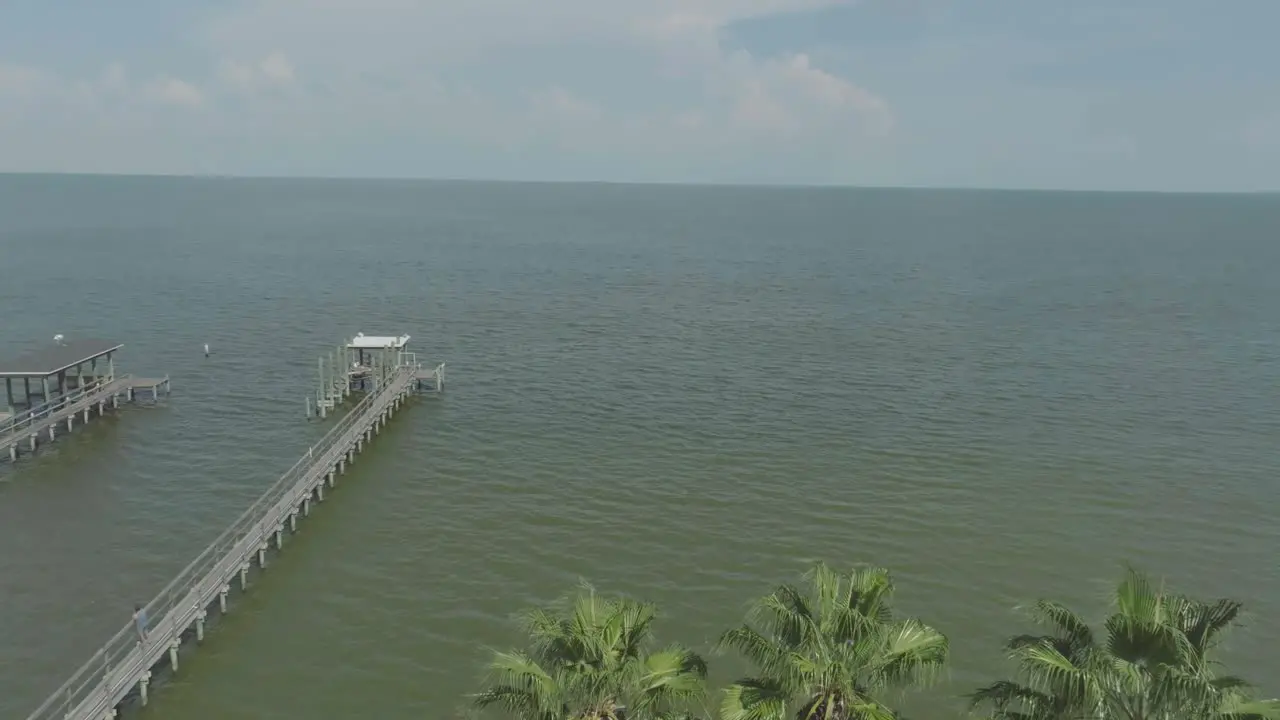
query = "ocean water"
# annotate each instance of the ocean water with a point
(681, 393)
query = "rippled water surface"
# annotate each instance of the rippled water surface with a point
(680, 393)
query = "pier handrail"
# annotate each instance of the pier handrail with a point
(254, 526)
(32, 416)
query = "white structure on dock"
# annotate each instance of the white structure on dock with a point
(378, 342)
(359, 364)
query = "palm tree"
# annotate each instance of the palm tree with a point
(828, 654)
(1153, 662)
(592, 661)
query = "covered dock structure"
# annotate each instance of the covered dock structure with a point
(60, 385)
(52, 371)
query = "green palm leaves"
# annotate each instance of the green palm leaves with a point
(829, 652)
(1153, 660)
(593, 661)
(832, 648)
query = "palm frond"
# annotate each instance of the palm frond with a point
(1137, 598)
(829, 645)
(787, 614)
(1145, 643)
(872, 593)
(765, 652)
(1204, 623)
(913, 654)
(1003, 694)
(754, 699)
(869, 709)
(1045, 667)
(520, 684)
(1067, 624)
(670, 676)
(1155, 663)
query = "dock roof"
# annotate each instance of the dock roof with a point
(54, 359)
(378, 342)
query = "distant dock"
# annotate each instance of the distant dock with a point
(353, 366)
(60, 384)
(122, 671)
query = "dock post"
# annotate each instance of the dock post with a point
(262, 556)
(306, 506)
(293, 525)
(320, 396)
(143, 683)
(336, 369)
(33, 443)
(173, 655)
(342, 465)
(52, 431)
(71, 420)
(347, 362)
(320, 490)
(244, 577)
(200, 616)
(13, 453)
(222, 599)
(308, 406)
(86, 415)
(279, 537)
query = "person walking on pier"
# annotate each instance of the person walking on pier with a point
(140, 622)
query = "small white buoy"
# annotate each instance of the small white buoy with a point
(58, 338)
(206, 349)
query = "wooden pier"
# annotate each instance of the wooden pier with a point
(57, 390)
(123, 668)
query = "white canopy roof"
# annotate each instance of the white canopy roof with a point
(377, 342)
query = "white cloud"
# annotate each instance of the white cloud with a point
(385, 31)
(429, 73)
(274, 70)
(42, 90)
(172, 91)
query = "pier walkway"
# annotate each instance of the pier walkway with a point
(29, 428)
(124, 665)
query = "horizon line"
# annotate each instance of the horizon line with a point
(641, 183)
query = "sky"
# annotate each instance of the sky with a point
(1167, 95)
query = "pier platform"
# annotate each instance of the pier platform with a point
(355, 365)
(61, 385)
(122, 671)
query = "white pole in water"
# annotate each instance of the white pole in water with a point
(206, 349)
